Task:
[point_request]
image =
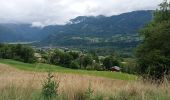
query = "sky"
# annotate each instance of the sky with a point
(51, 12)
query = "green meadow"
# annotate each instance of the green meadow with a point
(40, 67)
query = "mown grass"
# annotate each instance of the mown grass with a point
(40, 67)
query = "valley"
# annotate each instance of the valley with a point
(84, 50)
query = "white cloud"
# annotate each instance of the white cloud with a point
(47, 12)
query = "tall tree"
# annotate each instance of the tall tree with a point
(153, 53)
(110, 61)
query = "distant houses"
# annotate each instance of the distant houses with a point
(115, 69)
(38, 56)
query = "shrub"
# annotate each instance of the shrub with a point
(89, 92)
(130, 67)
(17, 52)
(74, 65)
(110, 61)
(50, 87)
(98, 67)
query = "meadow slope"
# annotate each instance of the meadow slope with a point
(40, 67)
(26, 84)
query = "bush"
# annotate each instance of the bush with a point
(89, 93)
(17, 52)
(110, 61)
(130, 67)
(98, 67)
(74, 65)
(50, 87)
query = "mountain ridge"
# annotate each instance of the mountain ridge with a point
(100, 27)
(81, 26)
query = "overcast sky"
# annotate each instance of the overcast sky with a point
(48, 12)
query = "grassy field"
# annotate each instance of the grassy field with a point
(26, 84)
(39, 67)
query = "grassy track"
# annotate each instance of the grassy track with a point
(46, 67)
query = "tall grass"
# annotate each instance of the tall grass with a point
(27, 85)
(135, 91)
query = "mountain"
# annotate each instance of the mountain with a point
(85, 32)
(100, 27)
(81, 26)
(14, 32)
(7, 35)
(11, 32)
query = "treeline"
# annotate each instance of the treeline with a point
(78, 60)
(153, 54)
(17, 52)
(69, 59)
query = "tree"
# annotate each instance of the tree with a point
(27, 55)
(50, 87)
(98, 67)
(66, 59)
(56, 57)
(74, 65)
(17, 52)
(75, 55)
(87, 60)
(110, 61)
(153, 54)
(94, 56)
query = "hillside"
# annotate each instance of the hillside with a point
(81, 26)
(7, 35)
(24, 32)
(95, 33)
(100, 27)
(46, 67)
(116, 33)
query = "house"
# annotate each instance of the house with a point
(115, 69)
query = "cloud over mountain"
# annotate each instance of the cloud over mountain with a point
(48, 12)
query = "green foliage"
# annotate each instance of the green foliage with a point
(74, 65)
(50, 87)
(98, 67)
(75, 55)
(94, 56)
(162, 14)
(87, 60)
(110, 61)
(66, 59)
(61, 58)
(17, 52)
(56, 57)
(153, 54)
(129, 66)
(79, 60)
(89, 92)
